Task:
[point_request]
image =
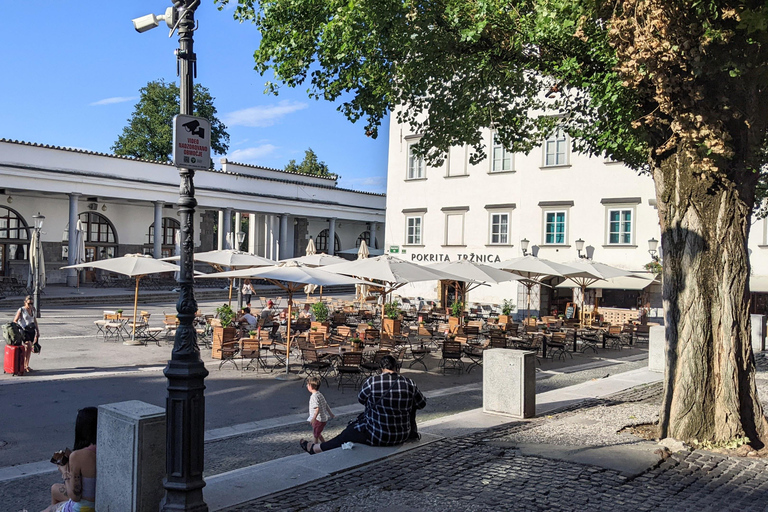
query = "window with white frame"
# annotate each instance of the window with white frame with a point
(454, 228)
(413, 230)
(620, 226)
(415, 165)
(502, 157)
(499, 229)
(556, 149)
(555, 227)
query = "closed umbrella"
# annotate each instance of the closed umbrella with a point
(361, 289)
(476, 273)
(132, 265)
(291, 276)
(79, 247)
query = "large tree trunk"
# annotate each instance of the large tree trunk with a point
(709, 384)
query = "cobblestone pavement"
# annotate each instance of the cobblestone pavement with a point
(485, 472)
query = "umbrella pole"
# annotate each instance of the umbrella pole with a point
(135, 309)
(287, 375)
(231, 280)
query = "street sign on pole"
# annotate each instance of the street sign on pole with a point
(191, 142)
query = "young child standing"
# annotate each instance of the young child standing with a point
(319, 412)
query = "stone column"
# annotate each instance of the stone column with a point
(274, 237)
(72, 246)
(252, 233)
(157, 248)
(373, 236)
(226, 229)
(331, 235)
(284, 252)
(219, 232)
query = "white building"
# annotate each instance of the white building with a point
(121, 200)
(551, 197)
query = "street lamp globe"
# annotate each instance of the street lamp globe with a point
(38, 220)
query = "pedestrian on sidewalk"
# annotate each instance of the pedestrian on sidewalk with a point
(26, 318)
(389, 419)
(319, 411)
(248, 292)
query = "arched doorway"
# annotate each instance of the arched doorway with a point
(366, 235)
(14, 238)
(100, 240)
(169, 230)
(321, 242)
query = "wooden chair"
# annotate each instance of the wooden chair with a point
(373, 366)
(349, 371)
(251, 348)
(451, 357)
(228, 351)
(558, 346)
(314, 366)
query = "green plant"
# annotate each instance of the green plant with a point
(225, 314)
(457, 308)
(507, 307)
(727, 444)
(321, 311)
(355, 341)
(653, 266)
(253, 333)
(119, 311)
(392, 310)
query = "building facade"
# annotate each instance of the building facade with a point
(119, 202)
(553, 198)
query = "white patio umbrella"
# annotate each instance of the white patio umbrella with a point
(229, 258)
(36, 260)
(291, 276)
(477, 274)
(533, 271)
(79, 247)
(392, 272)
(132, 265)
(587, 272)
(312, 259)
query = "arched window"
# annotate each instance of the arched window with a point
(366, 235)
(100, 237)
(321, 242)
(14, 238)
(170, 228)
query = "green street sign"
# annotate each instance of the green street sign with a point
(394, 249)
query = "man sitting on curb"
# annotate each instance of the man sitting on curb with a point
(389, 419)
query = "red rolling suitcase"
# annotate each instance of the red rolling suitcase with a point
(14, 360)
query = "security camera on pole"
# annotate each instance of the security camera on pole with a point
(185, 402)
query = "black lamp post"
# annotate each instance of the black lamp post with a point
(185, 403)
(580, 247)
(524, 246)
(38, 247)
(653, 246)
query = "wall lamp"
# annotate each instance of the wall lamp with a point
(653, 245)
(524, 246)
(580, 247)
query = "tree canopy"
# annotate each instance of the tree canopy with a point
(149, 134)
(675, 88)
(310, 165)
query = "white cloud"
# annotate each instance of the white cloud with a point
(376, 184)
(249, 155)
(116, 99)
(263, 115)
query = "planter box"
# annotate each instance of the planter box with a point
(391, 326)
(221, 335)
(320, 324)
(503, 319)
(453, 324)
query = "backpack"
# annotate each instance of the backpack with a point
(13, 333)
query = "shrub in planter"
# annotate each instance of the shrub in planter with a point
(321, 311)
(507, 308)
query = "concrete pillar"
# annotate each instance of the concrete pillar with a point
(72, 233)
(373, 235)
(252, 233)
(284, 246)
(331, 235)
(758, 333)
(226, 229)
(235, 242)
(274, 236)
(157, 247)
(130, 456)
(509, 382)
(657, 349)
(220, 232)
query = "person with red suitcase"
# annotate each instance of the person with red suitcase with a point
(26, 318)
(13, 362)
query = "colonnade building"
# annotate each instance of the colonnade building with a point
(121, 201)
(552, 199)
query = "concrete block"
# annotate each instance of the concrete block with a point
(758, 333)
(130, 457)
(509, 382)
(657, 349)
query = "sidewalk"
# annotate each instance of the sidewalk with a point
(236, 487)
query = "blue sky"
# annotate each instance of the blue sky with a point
(72, 71)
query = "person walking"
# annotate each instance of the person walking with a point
(247, 292)
(319, 411)
(26, 318)
(389, 419)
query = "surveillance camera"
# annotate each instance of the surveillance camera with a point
(145, 23)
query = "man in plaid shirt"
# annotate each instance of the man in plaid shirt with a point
(391, 401)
